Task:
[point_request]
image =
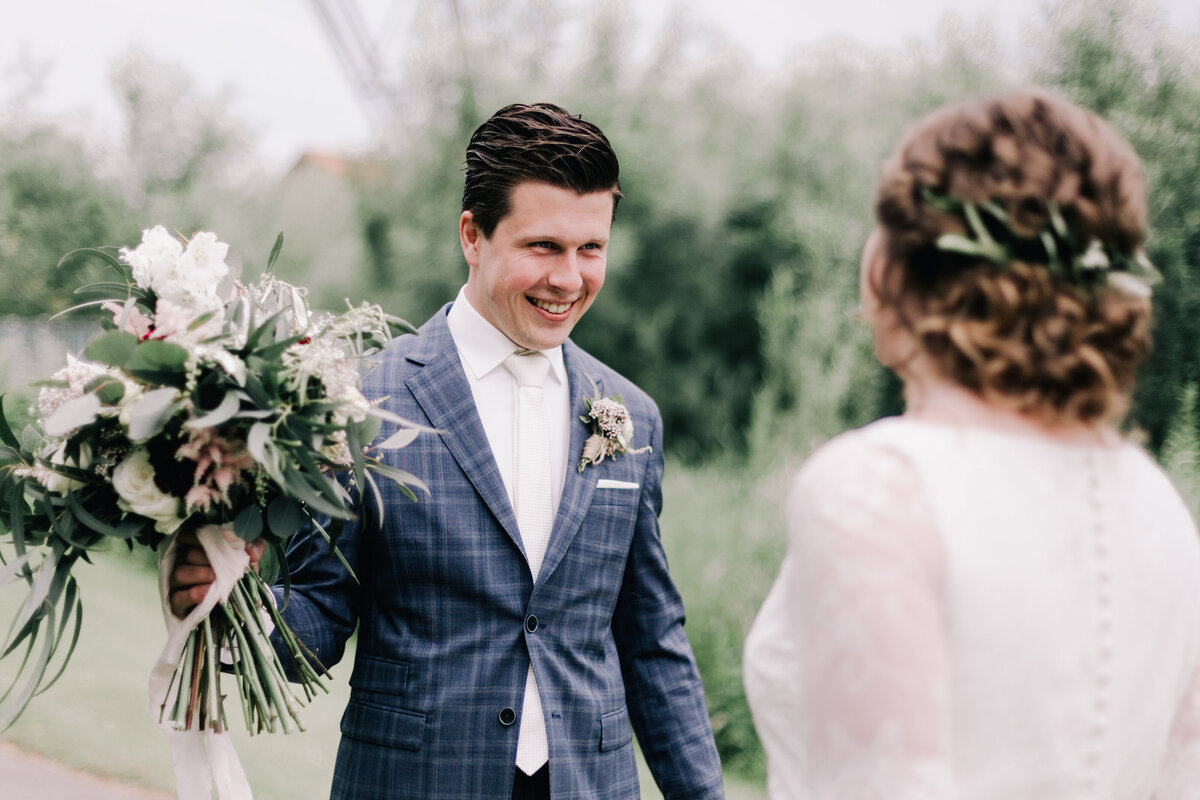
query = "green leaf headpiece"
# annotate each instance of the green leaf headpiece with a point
(1058, 246)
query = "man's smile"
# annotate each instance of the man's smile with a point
(548, 307)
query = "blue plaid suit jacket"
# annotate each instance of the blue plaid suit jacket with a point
(444, 597)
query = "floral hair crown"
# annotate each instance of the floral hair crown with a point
(1058, 246)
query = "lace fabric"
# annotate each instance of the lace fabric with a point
(967, 614)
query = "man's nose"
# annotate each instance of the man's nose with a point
(566, 276)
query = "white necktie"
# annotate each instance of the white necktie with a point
(534, 506)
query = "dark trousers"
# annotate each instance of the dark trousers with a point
(532, 787)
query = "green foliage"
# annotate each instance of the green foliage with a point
(1114, 58)
(724, 535)
(51, 202)
(1180, 454)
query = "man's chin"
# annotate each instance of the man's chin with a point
(545, 337)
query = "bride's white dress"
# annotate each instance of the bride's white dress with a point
(968, 613)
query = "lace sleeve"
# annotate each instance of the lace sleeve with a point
(1181, 769)
(868, 585)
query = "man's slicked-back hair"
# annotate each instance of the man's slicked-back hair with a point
(539, 142)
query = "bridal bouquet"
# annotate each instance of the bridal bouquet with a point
(208, 406)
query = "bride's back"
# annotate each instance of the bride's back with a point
(1072, 602)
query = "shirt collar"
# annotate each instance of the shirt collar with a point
(483, 347)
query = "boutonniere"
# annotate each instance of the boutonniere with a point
(612, 429)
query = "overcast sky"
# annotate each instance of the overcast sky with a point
(284, 80)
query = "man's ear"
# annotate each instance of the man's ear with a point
(469, 236)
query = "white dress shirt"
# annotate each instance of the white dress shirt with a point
(483, 348)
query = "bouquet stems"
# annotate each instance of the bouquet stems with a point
(237, 629)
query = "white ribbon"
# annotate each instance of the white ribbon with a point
(202, 758)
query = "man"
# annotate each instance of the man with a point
(514, 624)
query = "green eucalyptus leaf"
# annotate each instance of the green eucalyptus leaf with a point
(401, 438)
(248, 524)
(91, 520)
(278, 246)
(113, 348)
(72, 609)
(200, 320)
(157, 361)
(284, 516)
(226, 410)
(331, 538)
(109, 390)
(100, 253)
(272, 352)
(263, 450)
(148, 413)
(73, 414)
(14, 568)
(6, 432)
(402, 478)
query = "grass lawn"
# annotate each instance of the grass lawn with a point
(96, 717)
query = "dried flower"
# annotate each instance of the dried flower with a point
(612, 429)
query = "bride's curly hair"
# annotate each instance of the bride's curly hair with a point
(1015, 333)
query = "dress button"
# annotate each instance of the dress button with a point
(507, 716)
(531, 623)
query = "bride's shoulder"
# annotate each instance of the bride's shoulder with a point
(862, 465)
(863, 486)
(880, 445)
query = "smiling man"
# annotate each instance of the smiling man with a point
(515, 626)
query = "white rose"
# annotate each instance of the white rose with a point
(61, 484)
(133, 480)
(154, 260)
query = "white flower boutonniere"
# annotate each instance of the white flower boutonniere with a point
(612, 429)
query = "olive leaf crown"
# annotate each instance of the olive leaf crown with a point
(1058, 246)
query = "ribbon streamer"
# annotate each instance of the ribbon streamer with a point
(203, 759)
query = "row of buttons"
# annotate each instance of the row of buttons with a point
(507, 715)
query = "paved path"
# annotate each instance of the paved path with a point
(28, 776)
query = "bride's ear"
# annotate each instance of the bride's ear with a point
(871, 270)
(895, 347)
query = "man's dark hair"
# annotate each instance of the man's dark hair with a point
(539, 142)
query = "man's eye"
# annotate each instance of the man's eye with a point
(542, 245)
(591, 246)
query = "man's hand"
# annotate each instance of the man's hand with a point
(192, 574)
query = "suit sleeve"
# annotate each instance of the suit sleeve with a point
(662, 685)
(322, 605)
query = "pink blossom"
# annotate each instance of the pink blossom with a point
(137, 323)
(219, 465)
(201, 497)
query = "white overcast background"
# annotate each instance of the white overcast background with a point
(272, 58)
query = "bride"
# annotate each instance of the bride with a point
(994, 595)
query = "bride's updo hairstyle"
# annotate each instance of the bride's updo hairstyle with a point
(1032, 327)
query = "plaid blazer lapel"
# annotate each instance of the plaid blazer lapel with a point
(440, 388)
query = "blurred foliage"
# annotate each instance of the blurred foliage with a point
(51, 202)
(732, 275)
(1118, 58)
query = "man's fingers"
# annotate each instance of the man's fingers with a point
(185, 575)
(187, 538)
(255, 550)
(184, 600)
(191, 555)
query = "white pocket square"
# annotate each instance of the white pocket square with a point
(605, 483)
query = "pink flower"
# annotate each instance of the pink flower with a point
(137, 323)
(219, 465)
(201, 497)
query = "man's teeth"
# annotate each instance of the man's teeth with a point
(551, 308)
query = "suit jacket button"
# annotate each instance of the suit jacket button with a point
(531, 623)
(507, 716)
